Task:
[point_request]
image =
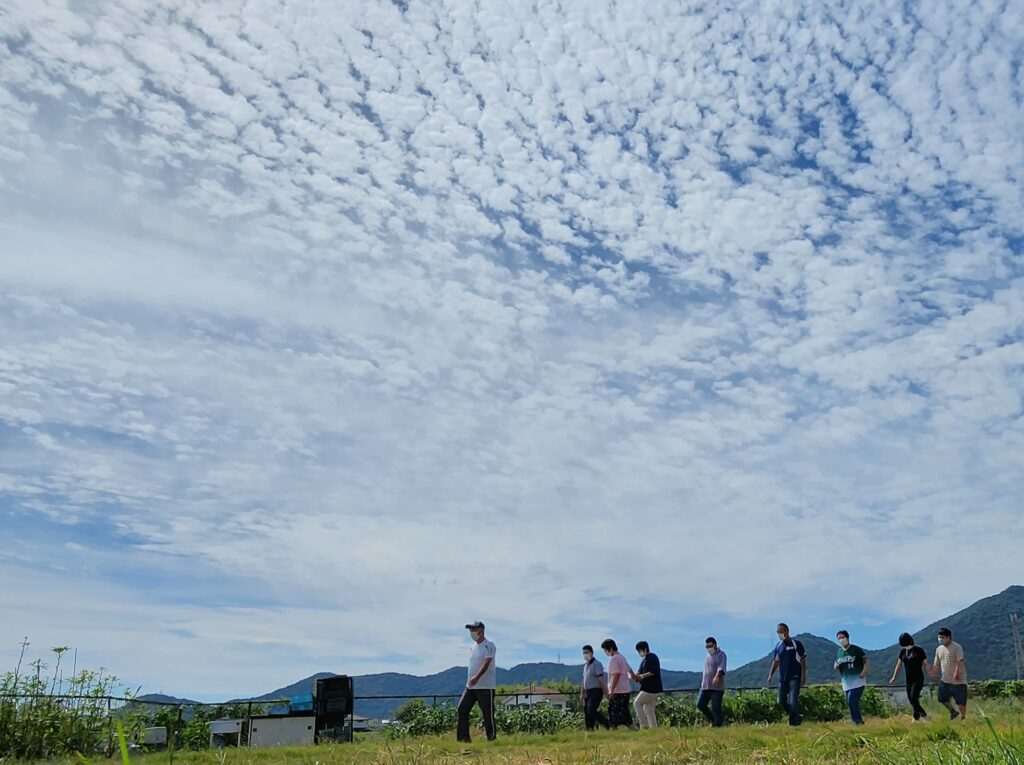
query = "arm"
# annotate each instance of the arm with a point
(961, 671)
(803, 671)
(773, 670)
(483, 668)
(867, 666)
(896, 671)
(719, 678)
(613, 681)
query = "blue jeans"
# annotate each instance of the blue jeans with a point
(714, 698)
(789, 699)
(853, 702)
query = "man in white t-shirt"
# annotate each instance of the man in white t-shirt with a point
(480, 683)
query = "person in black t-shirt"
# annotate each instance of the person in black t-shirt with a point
(912, 658)
(649, 677)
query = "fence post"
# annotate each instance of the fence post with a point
(177, 722)
(110, 731)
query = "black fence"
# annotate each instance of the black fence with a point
(115, 702)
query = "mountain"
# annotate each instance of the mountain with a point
(450, 682)
(163, 698)
(820, 655)
(983, 629)
(305, 685)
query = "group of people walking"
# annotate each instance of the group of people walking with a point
(789, 665)
(615, 684)
(852, 664)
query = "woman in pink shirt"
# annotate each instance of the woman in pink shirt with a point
(619, 673)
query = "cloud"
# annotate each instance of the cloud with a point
(466, 309)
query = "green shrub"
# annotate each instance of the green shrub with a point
(753, 707)
(992, 689)
(409, 710)
(541, 718)
(1014, 689)
(874, 703)
(823, 703)
(678, 710)
(423, 720)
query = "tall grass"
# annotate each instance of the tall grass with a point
(880, 742)
(37, 720)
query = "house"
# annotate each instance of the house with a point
(536, 695)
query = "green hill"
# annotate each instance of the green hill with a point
(983, 629)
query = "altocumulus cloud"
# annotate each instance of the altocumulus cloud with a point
(328, 326)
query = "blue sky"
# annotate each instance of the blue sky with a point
(327, 328)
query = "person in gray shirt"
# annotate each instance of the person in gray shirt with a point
(592, 690)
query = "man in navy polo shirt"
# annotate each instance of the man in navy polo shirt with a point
(791, 663)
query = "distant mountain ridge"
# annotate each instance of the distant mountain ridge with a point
(983, 629)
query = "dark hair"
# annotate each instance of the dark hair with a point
(710, 640)
(843, 633)
(782, 625)
(906, 639)
(588, 648)
(609, 645)
(642, 646)
(944, 632)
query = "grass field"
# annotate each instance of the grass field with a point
(996, 738)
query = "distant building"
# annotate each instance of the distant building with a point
(534, 696)
(362, 724)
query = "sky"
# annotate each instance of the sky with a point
(328, 327)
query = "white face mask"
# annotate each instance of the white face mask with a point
(475, 634)
(711, 648)
(844, 642)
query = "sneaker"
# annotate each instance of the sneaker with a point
(953, 714)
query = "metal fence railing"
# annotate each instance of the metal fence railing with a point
(111, 701)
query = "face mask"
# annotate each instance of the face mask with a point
(587, 657)
(844, 642)
(711, 648)
(475, 635)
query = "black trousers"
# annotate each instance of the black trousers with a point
(714, 699)
(914, 688)
(485, 698)
(592, 715)
(618, 710)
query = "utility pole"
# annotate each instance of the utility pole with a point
(1018, 648)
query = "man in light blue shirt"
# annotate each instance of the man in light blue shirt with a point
(712, 684)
